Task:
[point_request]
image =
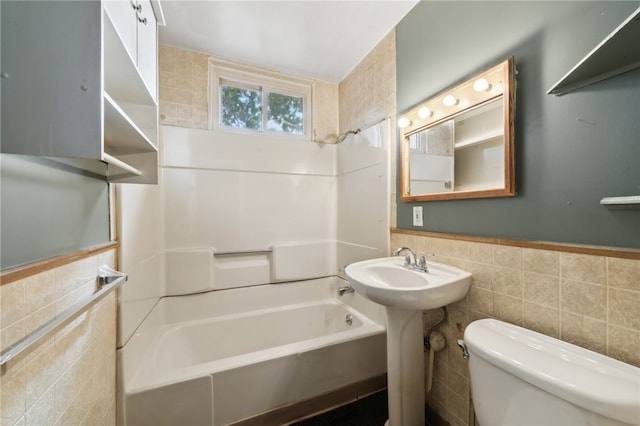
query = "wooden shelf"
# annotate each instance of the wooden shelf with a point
(616, 54)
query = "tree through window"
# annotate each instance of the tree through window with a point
(285, 113)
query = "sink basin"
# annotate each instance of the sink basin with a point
(387, 282)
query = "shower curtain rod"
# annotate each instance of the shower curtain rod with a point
(343, 136)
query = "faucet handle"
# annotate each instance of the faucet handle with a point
(422, 260)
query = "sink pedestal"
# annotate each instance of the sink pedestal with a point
(405, 367)
(405, 293)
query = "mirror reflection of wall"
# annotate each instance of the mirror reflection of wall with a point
(432, 162)
(459, 144)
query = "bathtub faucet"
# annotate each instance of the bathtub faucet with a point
(345, 289)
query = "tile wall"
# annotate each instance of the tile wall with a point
(591, 301)
(70, 378)
(184, 93)
(184, 87)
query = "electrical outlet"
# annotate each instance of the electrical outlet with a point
(417, 216)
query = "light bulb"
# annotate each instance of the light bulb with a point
(403, 122)
(424, 112)
(449, 100)
(481, 85)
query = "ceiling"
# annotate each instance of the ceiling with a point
(320, 39)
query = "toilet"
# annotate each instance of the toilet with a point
(520, 377)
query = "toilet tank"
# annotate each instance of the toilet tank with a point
(520, 377)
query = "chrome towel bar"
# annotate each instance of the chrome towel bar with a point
(107, 281)
(242, 252)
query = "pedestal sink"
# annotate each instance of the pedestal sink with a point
(405, 293)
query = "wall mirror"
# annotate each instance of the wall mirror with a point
(459, 144)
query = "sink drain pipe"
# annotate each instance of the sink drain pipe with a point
(434, 342)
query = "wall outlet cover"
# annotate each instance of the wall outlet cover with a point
(417, 216)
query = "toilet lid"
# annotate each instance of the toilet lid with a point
(585, 378)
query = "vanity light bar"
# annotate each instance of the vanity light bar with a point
(449, 101)
(481, 85)
(424, 112)
(487, 86)
(403, 122)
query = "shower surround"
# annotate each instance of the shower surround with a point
(235, 211)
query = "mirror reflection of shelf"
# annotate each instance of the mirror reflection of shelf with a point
(479, 125)
(477, 187)
(479, 139)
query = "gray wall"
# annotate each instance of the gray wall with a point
(571, 151)
(49, 208)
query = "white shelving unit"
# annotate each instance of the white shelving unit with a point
(72, 87)
(621, 201)
(616, 54)
(130, 96)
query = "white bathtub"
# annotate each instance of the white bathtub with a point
(219, 357)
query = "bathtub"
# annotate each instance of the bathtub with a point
(280, 351)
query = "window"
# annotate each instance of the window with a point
(256, 103)
(240, 108)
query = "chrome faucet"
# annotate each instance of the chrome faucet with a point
(409, 259)
(345, 289)
(412, 261)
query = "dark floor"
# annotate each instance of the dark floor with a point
(369, 411)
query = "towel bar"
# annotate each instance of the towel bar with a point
(242, 252)
(108, 280)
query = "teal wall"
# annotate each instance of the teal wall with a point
(571, 151)
(49, 208)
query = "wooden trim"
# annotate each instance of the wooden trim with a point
(502, 77)
(459, 195)
(26, 271)
(621, 253)
(509, 109)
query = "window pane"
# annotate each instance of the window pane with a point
(285, 113)
(241, 108)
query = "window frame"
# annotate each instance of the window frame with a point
(282, 85)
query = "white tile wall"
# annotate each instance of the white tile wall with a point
(236, 192)
(141, 234)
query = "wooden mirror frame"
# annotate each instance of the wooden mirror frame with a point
(501, 79)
